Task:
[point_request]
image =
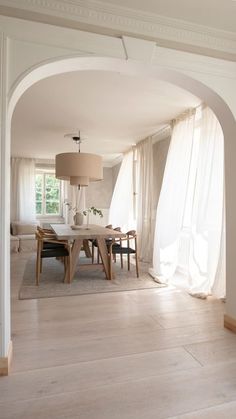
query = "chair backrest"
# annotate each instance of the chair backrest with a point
(132, 235)
(48, 238)
(117, 229)
(44, 233)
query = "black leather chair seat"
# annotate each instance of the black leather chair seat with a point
(56, 252)
(48, 245)
(117, 249)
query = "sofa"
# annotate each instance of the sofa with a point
(23, 237)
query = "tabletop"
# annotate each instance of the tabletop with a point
(65, 232)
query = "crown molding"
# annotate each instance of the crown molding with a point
(120, 20)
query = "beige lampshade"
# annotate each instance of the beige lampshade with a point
(79, 180)
(79, 168)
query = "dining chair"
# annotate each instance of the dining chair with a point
(117, 247)
(117, 242)
(47, 247)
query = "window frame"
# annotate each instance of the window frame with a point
(44, 172)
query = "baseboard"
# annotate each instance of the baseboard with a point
(5, 362)
(230, 323)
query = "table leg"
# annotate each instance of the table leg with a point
(102, 247)
(87, 249)
(74, 257)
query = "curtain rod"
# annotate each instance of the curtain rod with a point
(168, 126)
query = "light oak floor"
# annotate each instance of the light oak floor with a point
(147, 354)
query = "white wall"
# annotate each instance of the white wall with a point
(98, 194)
(28, 45)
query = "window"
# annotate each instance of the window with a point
(48, 194)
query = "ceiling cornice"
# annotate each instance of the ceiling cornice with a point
(128, 21)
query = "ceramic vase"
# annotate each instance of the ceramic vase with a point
(78, 218)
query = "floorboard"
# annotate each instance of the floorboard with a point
(146, 354)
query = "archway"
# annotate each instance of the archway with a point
(215, 102)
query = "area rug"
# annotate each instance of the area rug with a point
(89, 281)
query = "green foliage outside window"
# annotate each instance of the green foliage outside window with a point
(47, 194)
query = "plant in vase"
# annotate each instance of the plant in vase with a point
(78, 214)
(94, 211)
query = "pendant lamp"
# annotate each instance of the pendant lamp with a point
(78, 168)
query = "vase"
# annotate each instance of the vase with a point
(78, 218)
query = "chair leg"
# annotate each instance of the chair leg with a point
(38, 262)
(128, 257)
(98, 259)
(38, 267)
(110, 265)
(93, 253)
(65, 260)
(69, 269)
(121, 261)
(136, 261)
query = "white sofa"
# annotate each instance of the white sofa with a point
(23, 237)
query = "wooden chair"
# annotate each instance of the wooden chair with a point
(117, 248)
(48, 246)
(117, 242)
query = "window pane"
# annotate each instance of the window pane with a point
(52, 188)
(39, 208)
(39, 181)
(47, 194)
(38, 196)
(39, 193)
(52, 207)
(52, 194)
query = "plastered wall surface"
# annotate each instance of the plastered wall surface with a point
(99, 194)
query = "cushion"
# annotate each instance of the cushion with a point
(26, 237)
(20, 228)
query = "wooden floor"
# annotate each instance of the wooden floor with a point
(147, 354)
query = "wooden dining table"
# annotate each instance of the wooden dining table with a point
(79, 236)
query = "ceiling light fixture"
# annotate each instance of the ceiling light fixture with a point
(78, 168)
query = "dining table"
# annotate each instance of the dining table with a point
(79, 236)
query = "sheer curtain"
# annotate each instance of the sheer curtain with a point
(189, 235)
(208, 225)
(170, 209)
(144, 198)
(23, 189)
(121, 213)
(76, 198)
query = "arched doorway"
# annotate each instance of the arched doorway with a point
(207, 95)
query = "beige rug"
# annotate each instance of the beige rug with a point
(87, 281)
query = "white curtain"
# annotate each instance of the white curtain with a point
(170, 210)
(144, 198)
(74, 201)
(121, 213)
(189, 235)
(23, 206)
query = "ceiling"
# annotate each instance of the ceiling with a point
(204, 27)
(112, 111)
(218, 14)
